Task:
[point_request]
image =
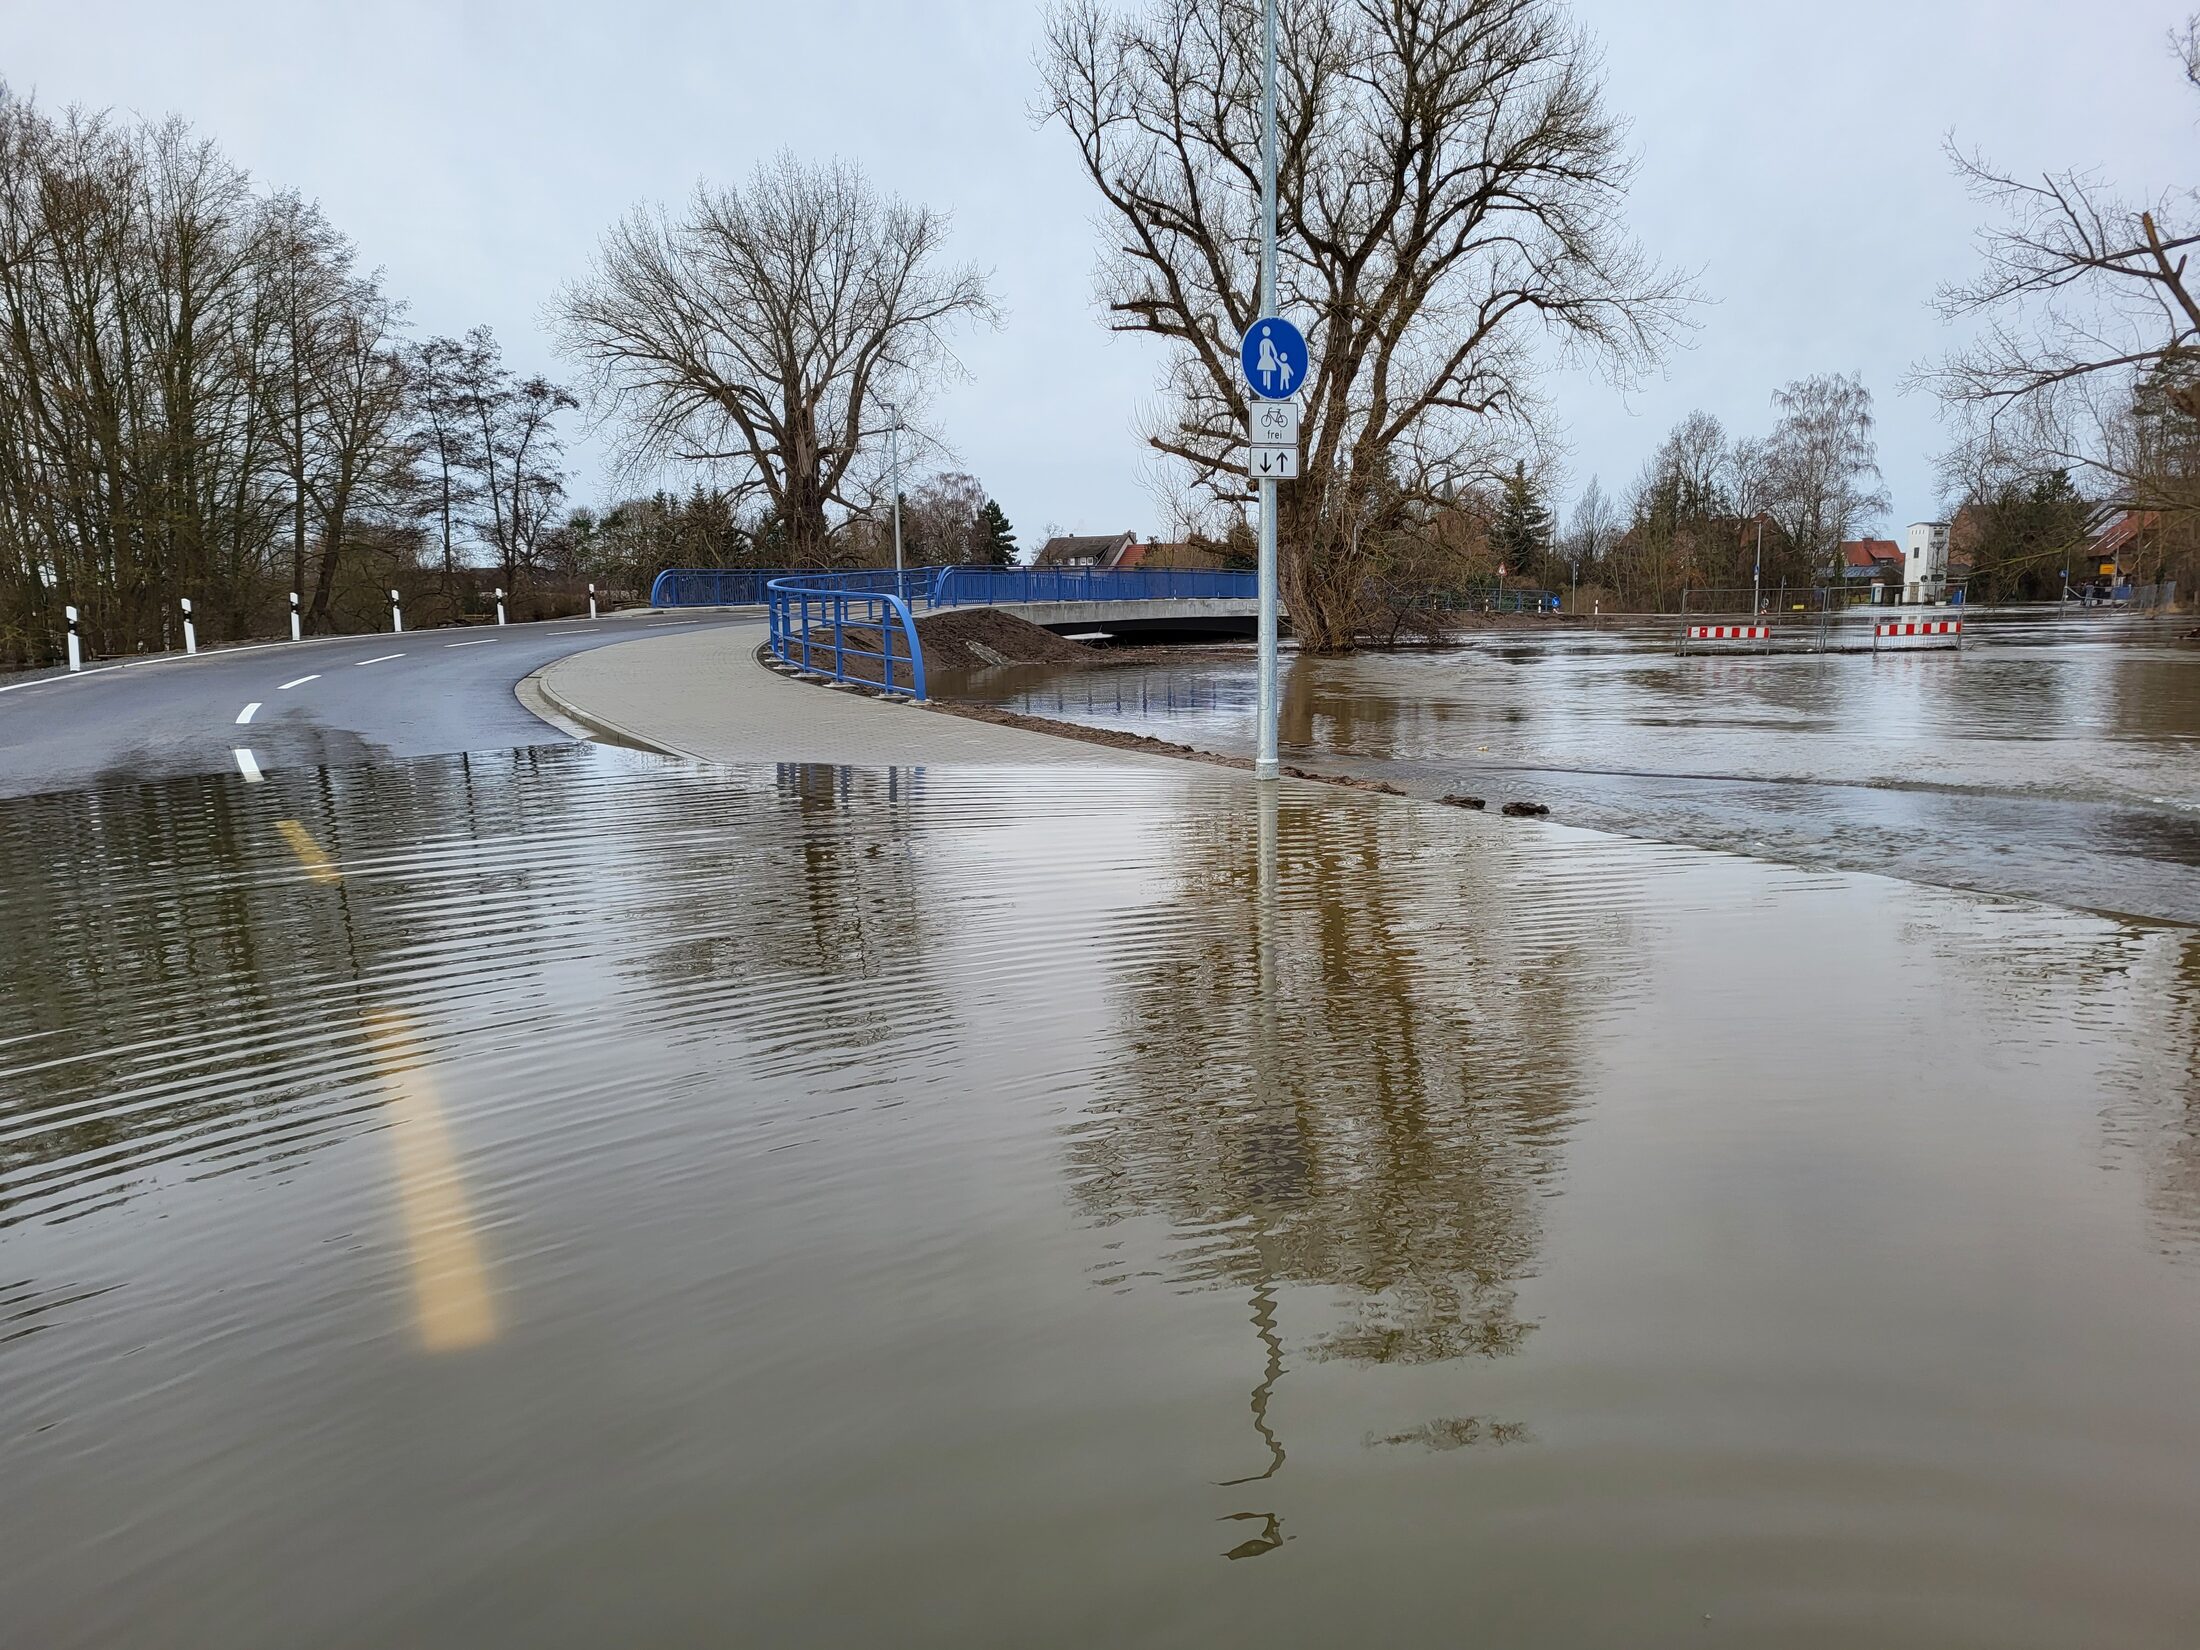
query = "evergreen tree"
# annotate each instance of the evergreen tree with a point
(998, 548)
(1522, 531)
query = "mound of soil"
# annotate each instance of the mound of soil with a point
(971, 638)
(968, 637)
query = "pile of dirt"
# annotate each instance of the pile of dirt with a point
(974, 638)
(970, 637)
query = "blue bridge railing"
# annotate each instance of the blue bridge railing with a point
(861, 626)
(852, 627)
(745, 586)
(958, 586)
(984, 586)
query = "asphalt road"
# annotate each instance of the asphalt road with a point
(317, 703)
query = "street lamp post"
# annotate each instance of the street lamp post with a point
(1264, 761)
(893, 449)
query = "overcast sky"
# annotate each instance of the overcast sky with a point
(1789, 152)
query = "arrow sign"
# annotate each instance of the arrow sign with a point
(1273, 354)
(1272, 463)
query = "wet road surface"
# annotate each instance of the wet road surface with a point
(564, 1197)
(323, 702)
(2055, 760)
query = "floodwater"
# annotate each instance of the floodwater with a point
(2053, 759)
(569, 1198)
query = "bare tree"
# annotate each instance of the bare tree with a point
(943, 520)
(360, 466)
(305, 269)
(1821, 465)
(514, 454)
(1592, 530)
(2081, 292)
(450, 376)
(763, 328)
(1449, 187)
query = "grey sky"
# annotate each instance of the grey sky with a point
(1789, 152)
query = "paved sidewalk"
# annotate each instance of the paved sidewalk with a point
(701, 693)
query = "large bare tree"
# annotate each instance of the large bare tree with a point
(1819, 477)
(2082, 294)
(762, 328)
(1449, 187)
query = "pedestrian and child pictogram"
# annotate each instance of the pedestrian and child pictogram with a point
(1273, 354)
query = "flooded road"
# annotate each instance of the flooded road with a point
(2057, 760)
(568, 1198)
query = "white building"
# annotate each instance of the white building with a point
(1925, 562)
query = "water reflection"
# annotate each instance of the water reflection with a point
(568, 1198)
(2054, 761)
(1343, 1092)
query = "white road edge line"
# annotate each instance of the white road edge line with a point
(245, 715)
(299, 681)
(248, 765)
(381, 659)
(479, 641)
(70, 676)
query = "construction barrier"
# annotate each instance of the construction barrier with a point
(1906, 634)
(1729, 632)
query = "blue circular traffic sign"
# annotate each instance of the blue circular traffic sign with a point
(1273, 354)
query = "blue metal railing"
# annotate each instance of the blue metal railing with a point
(958, 586)
(821, 621)
(984, 586)
(712, 586)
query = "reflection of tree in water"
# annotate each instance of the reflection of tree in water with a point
(2129, 992)
(1378, 1108)
(2158, 1058)
(826, 935)
(175, 987)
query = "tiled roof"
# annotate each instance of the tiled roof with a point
(1095, 548)
(1870, 552)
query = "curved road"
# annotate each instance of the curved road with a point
(321, 702)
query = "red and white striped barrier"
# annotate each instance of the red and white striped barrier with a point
(1729, 632)
(1921, 627)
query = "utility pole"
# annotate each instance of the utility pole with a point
(893, 449)
(1264, 760)
(1757, 575)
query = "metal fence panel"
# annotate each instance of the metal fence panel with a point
(819, 622)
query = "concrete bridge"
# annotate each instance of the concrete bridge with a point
(1183, 617)
(861, 624)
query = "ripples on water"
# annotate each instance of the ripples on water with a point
(2056, 760)
(563, 1198)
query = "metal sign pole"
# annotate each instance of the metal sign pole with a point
(1264, 760)
(893, 441)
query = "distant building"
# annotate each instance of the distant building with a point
(1185, 555)
(1096, 550)
(1925, 563)
(1879, 560)
(2102, 569)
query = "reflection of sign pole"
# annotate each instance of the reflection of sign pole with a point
(1264, 758)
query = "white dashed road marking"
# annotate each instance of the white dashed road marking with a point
(477, 642)
(245, 715)
(381, 658)
(298, 682)
(248, 765)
